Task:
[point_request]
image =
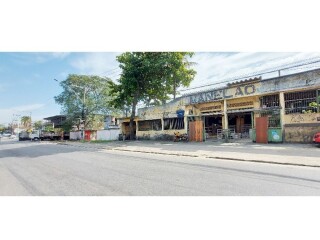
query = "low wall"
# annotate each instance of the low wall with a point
(300, 133)
(75, 135)
(159, 135)
(111, 134)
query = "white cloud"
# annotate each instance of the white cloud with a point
(215, 67)
(103, 64)
(7, 114)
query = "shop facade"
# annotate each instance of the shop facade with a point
(281, 109)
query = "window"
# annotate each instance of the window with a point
(273, 118)
(173, 123)
(301, 102)
(269, 101)
(150, 125)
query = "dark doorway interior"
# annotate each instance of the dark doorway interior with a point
(211, 124)
(126, 130)
(241, 123)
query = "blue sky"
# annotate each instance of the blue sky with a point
(27, 85)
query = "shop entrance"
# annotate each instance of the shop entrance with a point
(126, 130)
(211, 124)
(240, 123)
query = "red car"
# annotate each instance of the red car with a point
(316, 138)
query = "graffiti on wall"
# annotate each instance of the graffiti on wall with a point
(168, 110)
(296, 118)
(300, 118)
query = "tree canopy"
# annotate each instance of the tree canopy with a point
(38, 125)
(83, 97)
(150, 77)
(26, 121)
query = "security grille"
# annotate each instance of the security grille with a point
(173, 123)
(149, 125)
(274, 120)
(269, 101)
(301, 102)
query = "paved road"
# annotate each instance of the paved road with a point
(33, 168)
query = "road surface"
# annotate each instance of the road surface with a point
(46, 169)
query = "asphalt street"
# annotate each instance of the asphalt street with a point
(46, 169)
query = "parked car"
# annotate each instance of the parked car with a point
(316, 138)
(6, 134)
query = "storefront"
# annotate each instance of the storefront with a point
(281, 109)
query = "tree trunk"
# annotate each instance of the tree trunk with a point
(133, 113)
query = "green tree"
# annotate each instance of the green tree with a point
(150, 77)
(83, 97)
(38, 125)
(26, 122)
(2, 128)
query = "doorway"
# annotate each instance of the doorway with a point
(211, 124)
(241, 123)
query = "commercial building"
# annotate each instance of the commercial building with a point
(280, 109)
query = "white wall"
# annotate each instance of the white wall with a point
(75, 135)
(110, 134)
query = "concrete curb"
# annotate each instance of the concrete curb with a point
(223, 158)
(117, 148)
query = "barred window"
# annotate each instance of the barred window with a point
(150, 125)
(273, 117)
(301, 102)
(269, 101)
(173, 123)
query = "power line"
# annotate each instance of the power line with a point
(266, 71)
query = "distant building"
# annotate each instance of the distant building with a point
(57, 121)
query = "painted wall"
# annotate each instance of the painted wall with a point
(111, 134)
(168, 110)
(301, 127)
(75, 135)
(159, 135)
(235, 91)
(296, 81)
(300, 133)
(301, 118)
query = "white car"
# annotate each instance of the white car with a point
(6, 134)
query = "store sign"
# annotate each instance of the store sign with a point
(226, 93)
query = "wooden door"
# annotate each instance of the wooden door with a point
(196, 131)
(239, 124)
(262, 130)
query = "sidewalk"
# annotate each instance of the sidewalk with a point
(287, 154)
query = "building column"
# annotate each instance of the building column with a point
(282, 110)
(226, 125)
(282, 113)
(162, 124)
